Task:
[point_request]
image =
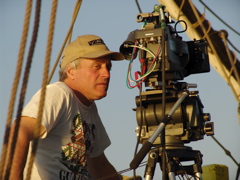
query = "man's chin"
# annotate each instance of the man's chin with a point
(101, 96)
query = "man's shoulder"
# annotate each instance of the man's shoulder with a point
(59, 86)
(59, 89)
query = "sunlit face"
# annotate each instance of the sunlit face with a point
(91, 79)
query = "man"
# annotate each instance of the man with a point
(72, 136)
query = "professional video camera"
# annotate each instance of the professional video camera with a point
(183, 58)
(165, 59)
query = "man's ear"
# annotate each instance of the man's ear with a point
(70, 72)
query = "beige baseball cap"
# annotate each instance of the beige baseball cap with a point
(87, 46)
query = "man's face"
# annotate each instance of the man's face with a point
(91, 78)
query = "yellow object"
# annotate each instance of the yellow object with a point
(215, 172)
(131, 178)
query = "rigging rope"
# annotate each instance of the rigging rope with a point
(6, 145)
(27, 70)
(14, 89)
(225, 150)
(223, 35)
(213, 48)
(180, 9)
(229, 82)
(67, 38)
(224, 24)
(228, 153)
(44, 84)
(219, 18)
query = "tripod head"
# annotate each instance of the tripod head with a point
(189, 123)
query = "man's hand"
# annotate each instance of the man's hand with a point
(101, 168)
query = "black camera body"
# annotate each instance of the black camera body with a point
(182, 58)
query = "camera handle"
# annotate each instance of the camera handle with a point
(148, 144)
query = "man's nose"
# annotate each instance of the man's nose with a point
(105, 72)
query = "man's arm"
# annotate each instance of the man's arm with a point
(100, 167)
(25, 135)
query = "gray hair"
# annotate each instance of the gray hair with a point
(72, 65)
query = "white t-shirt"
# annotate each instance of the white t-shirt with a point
(74, 133)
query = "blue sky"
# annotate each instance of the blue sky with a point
(113, 20)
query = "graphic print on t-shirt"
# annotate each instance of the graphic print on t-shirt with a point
(75, 153)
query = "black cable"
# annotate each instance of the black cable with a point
(234, 47)
(175, 27)
(138, 6)
(163, 107)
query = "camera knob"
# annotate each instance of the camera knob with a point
(206, 117)
(209, 129)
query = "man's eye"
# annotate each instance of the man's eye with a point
(97, 66)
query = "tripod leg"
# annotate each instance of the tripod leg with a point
(151, 164)
(171, 175)
(170, 168)
(198, 176)
(197, 167)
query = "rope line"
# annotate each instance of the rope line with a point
(27, 70)
(76, 10)
(6, 145)
(212, 48)
(208, 8)
(223, 35)
(44, 84)
(234, 47)
(233, 69)
(180, 9)
(138, 6)
(74, 17)
(225, 150)
(208, 30)
(13, 93)
(219, 18)
(199, 21)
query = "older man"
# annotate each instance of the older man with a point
(72, 136)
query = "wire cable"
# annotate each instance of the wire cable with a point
(138, 6)
(219, 18)
(228, 153)
(150, 69)
(225, 150)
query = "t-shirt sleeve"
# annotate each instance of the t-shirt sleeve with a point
(54, 101)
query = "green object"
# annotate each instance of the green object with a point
(215, 172)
